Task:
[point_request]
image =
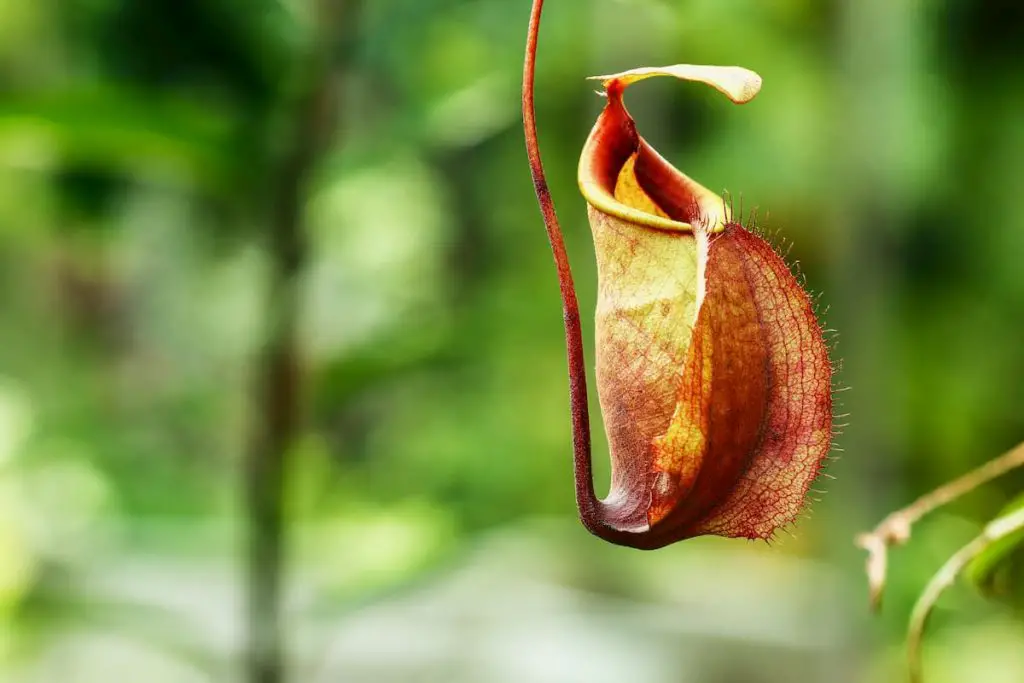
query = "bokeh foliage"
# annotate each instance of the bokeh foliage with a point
(139, 143)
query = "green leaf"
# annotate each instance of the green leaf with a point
(994, 571)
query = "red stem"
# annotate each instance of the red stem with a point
(586, 499)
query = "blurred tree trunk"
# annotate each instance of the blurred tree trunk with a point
(276, 420)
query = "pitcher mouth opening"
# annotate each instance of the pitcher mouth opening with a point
(621, 175)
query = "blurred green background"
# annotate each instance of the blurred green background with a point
(216, 215)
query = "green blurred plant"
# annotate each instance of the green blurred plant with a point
(990, 553)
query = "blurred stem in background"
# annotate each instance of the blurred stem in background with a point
(276, 421)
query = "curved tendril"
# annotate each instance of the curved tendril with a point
(589, 507)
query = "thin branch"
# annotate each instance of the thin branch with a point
(997, 529)
(895, 529)
(585, 498)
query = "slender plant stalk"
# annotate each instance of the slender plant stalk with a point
(895, 528)
(947, 493)
(585, 497)
(276, 421)
(997, 529)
